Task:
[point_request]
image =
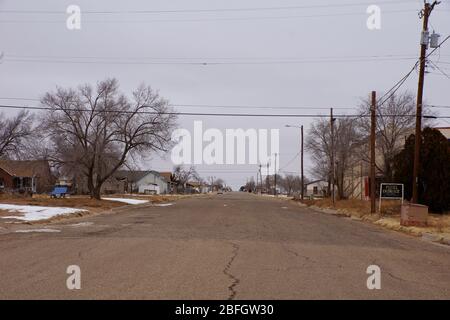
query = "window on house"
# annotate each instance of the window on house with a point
(17, 183)
(315, 190)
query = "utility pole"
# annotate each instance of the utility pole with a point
(302, 182)
(275, 175)
(260, 178)
(302, 177)
(425, 14)
(362, 180)
(372, 152)
(267, 178)
(332, 158)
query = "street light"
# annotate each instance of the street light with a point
(301, 157)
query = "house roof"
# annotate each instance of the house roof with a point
(194, 184)
(23, 168)
(136, 175)
(316, 181)
(166, 175)
(131, 176)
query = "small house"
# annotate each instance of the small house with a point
(148, 181)
(318, 188)
(32, 176)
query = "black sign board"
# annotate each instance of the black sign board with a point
(392, 190)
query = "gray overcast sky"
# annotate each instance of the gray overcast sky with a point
(238, 38)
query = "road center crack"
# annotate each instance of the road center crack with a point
(226, 271)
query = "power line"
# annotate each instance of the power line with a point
(329, 5)
(391, 92)
(190, 59)
(239, 106)
(439, 69)
(434, 106)
(200, 63)
(217, 106)
(216, 114)
(397, 86)
(212, 19)
(290, 161)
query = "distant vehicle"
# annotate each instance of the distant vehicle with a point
(59, 192)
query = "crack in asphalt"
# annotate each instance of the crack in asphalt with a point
(295, 253)
(415, 282)
(226, 271)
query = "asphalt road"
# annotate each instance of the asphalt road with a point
(231, 246)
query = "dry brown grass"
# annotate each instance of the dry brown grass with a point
(357, 207)
(83, 202)
(390, 215)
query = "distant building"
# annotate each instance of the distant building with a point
(170, 180)
(445, 132)
(197, 187)
(318, 188)
(149, 181)
(25, 176)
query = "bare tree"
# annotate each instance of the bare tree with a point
(290, 184)
(395, 121)
(95, 130)
(219, 184)
(15, 132)
(250, 185)
(346, 141)
(182, 175)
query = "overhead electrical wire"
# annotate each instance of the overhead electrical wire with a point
(201, 63)
(167, 11)
(174, 105)
(397, 86)
(256, 18)
(290, 161)
(441, 72)
(217, 114)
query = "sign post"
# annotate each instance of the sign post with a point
(393, 191)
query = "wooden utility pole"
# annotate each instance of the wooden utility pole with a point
(260, 179)
(257, 178)
(332, 158)
(418, 136)
(275, 175)
(302, 182)
(362, 181)
(372, 152)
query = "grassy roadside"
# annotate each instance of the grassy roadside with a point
(92, 206)
(389, 217)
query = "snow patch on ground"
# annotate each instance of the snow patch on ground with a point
(35, 213)
(163, 204)
(127, 201)
(81, 224)
(37, 230)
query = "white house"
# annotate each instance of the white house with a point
(317, 188)
(149, 181)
